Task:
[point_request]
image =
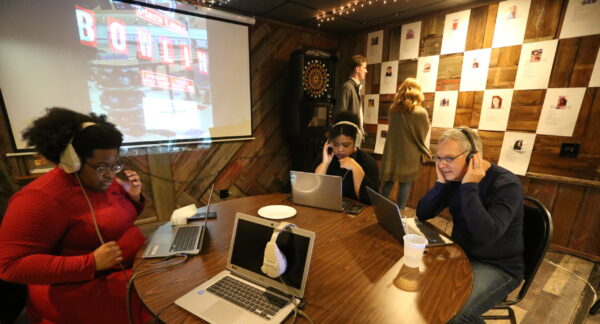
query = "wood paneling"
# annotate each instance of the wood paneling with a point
(544, 16)
(432, 30)
(477, 23)
(449, 71)
(503, 67)
(587, 226)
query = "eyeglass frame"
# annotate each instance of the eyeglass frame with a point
(447, 159)
(114, 168)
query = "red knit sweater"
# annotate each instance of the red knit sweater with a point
(47, 240)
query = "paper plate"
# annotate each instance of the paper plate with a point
(277, 212)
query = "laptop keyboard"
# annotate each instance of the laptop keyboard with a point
(429, 232)
(255, 300)
(184, 239)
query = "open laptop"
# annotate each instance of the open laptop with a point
(213, 303)
(170, 240)
(321, 191)
(389, 217)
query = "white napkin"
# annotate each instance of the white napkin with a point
(180, 216)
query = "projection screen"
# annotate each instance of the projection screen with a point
(163, 71)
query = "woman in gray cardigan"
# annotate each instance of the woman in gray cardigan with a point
(405, 142)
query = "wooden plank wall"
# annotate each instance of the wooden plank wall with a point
(574, 207)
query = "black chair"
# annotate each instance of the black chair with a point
(13, 297)
(537, 234)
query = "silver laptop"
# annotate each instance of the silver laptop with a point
(264, 299)
(318, 190)
(389, 217)
(170, 240)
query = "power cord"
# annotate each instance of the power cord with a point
(87, 199)
(147, 272)
(297, 311)
(579, 277)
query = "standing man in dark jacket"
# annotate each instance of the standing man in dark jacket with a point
(349, 99)
(486, 204)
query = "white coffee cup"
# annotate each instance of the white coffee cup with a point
(414, 245)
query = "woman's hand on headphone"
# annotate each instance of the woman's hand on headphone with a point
(133, 185)
(327, 152)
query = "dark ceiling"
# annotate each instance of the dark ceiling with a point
(304, 12)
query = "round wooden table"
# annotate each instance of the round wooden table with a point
(356, 273)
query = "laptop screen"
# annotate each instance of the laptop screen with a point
(249, 248)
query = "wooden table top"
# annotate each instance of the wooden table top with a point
(356, 273)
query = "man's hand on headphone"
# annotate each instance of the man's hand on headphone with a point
(475, 169)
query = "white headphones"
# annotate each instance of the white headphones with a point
(274, 262)
(69, 160)
(359, 133)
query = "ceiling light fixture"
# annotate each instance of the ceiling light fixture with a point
(325, 15)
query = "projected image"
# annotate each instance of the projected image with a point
(150, 73)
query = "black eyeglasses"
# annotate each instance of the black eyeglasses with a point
(103, 169)
(447, 159)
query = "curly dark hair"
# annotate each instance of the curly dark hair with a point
(344, 129)
(51, 133)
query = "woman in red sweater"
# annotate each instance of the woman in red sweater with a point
(70, 257)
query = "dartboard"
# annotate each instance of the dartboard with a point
(315, 79)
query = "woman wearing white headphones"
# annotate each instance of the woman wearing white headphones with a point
(342, 157)
(69, 235)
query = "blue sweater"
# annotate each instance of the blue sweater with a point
(487, 216)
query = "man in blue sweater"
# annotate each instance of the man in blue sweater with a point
(486, 204)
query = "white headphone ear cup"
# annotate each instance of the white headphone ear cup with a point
(274, 262)
(69, 160)
(281, 261)
(359, 138)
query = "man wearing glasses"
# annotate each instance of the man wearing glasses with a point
(486, 204)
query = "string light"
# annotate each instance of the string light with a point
(324, 16)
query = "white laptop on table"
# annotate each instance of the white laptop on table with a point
(212, 302)
(319, 190)
(169, 240)
(389, 217)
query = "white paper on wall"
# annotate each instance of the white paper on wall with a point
(535, 65)
(495, 109)
(410, 38)
(371, 107)
(595, 79)
(475, 70)
(382, 130)
(560, 111)
(374, 47)
(516, 152)
(389, 77)
(444, 109)
(511, 21)
(427, 71)
(456, 26)
(581, 19)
